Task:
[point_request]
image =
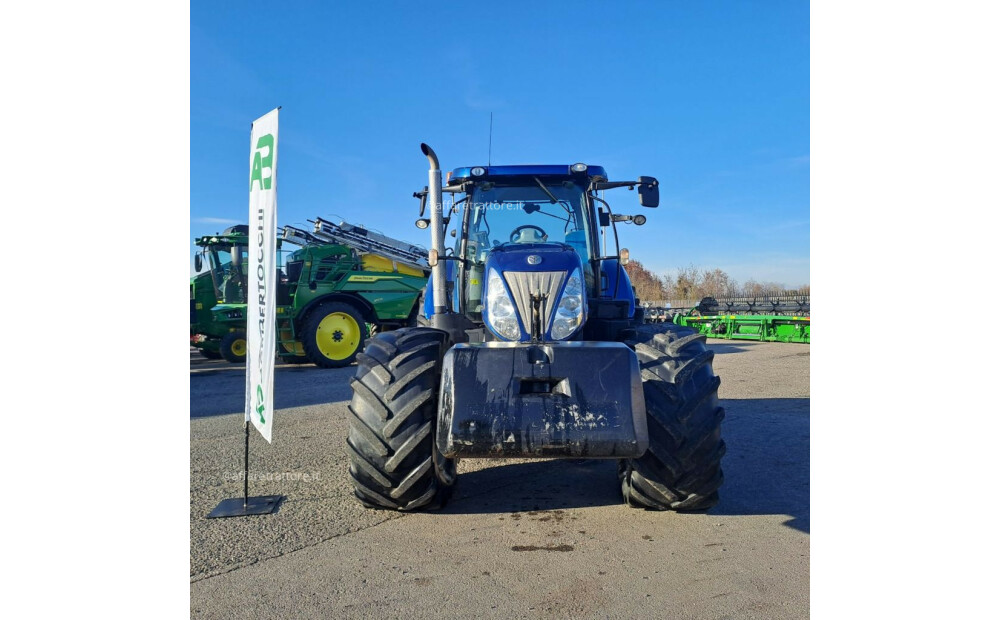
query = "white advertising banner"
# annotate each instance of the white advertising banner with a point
(261, 272)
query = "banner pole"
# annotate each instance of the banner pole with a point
(262, 212)
(246, 463)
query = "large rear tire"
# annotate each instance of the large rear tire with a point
(394, 461)
(682, 470)
(333, 334)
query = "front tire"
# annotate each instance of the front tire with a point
(394, 461)
(333, 334)
(682, 469)
(234, 347)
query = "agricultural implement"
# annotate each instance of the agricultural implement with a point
(341, 283)
(533, 347)
(707, 319)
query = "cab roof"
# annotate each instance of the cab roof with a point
(591, 173)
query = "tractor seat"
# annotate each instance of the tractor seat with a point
(529, 235)
(231, 293)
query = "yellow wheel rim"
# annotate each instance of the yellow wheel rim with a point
(239, 347)
(284, 335)
(338, 336)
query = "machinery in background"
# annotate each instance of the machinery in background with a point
(342, 283)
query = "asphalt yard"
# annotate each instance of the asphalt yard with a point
(538, 538)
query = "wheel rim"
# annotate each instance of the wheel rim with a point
(239, 347)
(285, 335)
(338, 336)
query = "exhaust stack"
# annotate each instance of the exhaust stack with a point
(437, 231)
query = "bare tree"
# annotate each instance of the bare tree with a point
(686, 284)
(715, 283)
(647, 284)
(692, 284)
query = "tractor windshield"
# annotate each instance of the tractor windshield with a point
(229, 279)
(530, 210)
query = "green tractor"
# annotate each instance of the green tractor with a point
(341, 285)
(344, 284)
(217, 290)
(533, 348)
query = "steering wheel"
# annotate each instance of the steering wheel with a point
(517, 232)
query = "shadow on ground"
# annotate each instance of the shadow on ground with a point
(721, 347)
(766, 471)
(537, 485)
(217, 388)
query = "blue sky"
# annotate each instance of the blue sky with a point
(710, 98)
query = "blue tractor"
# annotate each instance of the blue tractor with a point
(531, 345)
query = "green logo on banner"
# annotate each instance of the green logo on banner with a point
(260, 403)
(263, 161)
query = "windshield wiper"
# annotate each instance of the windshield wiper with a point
(551, 196)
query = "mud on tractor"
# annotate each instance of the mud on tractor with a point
(532, 347)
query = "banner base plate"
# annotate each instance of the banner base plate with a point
(235, 507)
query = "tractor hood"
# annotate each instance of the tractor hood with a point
(229, 313)
(531, 279)
(547, 257)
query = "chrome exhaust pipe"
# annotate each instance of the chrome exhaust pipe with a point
(438, 278)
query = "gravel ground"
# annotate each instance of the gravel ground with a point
(538, 538)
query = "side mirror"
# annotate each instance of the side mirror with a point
(604, 217)
(237, 256)
(649, 192)
(197, 263)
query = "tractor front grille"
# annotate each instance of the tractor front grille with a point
(526, 284)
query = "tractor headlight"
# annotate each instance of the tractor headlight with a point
(500, 313)
(569, 313)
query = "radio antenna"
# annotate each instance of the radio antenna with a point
(489, 157)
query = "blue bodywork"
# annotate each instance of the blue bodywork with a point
(428, 309)
(512, 257)
(526, 171)
(612, 272)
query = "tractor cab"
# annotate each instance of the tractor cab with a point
(225, 257)
(528, 262)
